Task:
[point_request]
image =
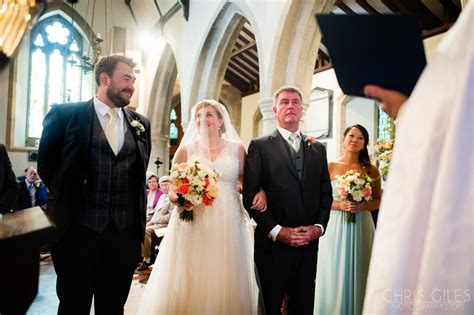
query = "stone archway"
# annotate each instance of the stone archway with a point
(292, 63)
(160, 106)
(215, 54)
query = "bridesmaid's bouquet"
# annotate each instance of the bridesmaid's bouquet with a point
(195, 185)
(352, 186)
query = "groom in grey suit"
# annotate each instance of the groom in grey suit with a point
(93, 158)
(292, 170)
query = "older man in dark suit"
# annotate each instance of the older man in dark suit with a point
(32, 191)
(293, 172)
(93, 158)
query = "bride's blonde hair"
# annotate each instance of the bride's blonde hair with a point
(217, 106)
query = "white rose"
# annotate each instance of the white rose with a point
(196, 200)
(357, 195)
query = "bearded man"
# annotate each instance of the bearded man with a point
(93, 158)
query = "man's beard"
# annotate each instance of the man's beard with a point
(117, 99)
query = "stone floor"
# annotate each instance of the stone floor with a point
(46, 302)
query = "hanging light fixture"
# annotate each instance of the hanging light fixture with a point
(88, 61)
(15, 18)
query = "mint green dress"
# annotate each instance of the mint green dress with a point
(343, 263)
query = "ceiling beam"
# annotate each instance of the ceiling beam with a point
(323, 68)
(451, 11)
(344, 7)
(390, 6)
(437, 30)
(236, 81)
(245, 69)
(244, 48)
(249, 59)
(428, 19)
(367, 7)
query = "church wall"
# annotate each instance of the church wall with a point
(249, 110)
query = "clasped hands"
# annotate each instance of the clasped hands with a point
(353, 207)
(299, 236)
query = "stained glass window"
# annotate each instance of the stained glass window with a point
(173, 132)
(54, 75)
(385, 126)
(173, 129)
(173, 115)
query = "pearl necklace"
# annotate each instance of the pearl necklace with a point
(218, 146)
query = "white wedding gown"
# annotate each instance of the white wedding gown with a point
(206, 266)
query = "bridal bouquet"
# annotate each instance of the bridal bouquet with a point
(353, 186)
(195, 185)
(383, 153)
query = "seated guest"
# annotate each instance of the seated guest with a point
(160, 219)
(153, 195)
(32, 191)
(22, 177)
(165, 184)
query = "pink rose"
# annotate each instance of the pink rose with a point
(343, 193)
(367, 192)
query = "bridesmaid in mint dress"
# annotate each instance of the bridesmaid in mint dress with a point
(345, 248)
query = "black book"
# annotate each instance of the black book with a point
(385, 50)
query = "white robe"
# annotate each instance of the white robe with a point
(422, 259)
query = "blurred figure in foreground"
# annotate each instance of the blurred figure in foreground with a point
(424, 232)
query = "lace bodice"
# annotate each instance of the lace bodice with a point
(227, 163)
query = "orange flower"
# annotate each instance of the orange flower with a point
(206, 200)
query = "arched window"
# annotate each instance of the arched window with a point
(174, 132)
(385, 126)
(54, 76)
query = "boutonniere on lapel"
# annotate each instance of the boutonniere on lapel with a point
(137, 125)
(309, 140)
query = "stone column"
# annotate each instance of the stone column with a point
(268, 117)
(303, 116)
(232, 99)
(160, 147)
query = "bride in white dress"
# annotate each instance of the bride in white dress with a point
(206, 266)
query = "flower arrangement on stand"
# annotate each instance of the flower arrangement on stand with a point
(352, 186)
(383, 154)
(195, 184)
(384, 148)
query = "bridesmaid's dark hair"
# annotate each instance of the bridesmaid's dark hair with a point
(364, 159)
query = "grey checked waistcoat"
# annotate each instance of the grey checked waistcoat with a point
(111, 182)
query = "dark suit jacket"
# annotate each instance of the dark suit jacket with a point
(63, 159)
(8, 185)
(291, 202)
(24, 199)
